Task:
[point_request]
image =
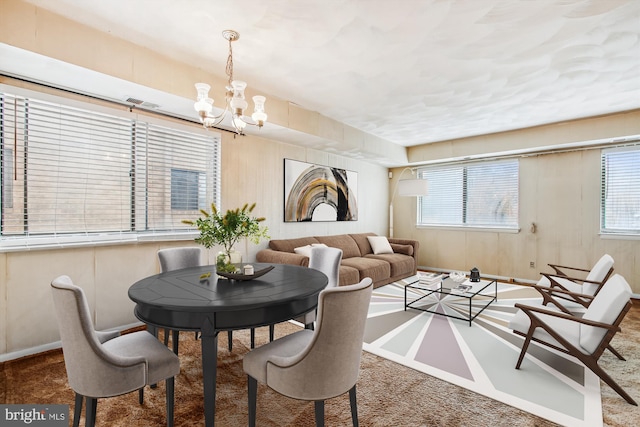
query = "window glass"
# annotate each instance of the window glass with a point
(474, 195)
(620, 196)
(80, 172)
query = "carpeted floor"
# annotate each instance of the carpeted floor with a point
(481, 356)
(389, 394)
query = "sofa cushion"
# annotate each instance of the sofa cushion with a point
(289, 245)
(362, 242)
(400, 264)
(341, 241)
(348, 275)
(380, 245)
(377, 269)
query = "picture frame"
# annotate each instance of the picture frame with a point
(314, 193)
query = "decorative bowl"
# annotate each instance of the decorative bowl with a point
(458, 276)
(241, 277)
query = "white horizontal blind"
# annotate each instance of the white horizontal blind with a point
(471, 195)
(70, 173)
(620, 196)
(175, 170)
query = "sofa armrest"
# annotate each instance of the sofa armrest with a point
(279, 257)
(414, 243)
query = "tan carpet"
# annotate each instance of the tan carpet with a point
(388, 394)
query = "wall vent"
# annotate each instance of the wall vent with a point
(141, 103)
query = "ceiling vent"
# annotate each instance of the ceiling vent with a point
(141, 103)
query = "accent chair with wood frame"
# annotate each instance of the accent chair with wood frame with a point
(584, 337)
(564, 287)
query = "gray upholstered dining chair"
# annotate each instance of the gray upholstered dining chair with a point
(320, 364)
(185, 257)
(103, 364)
(327, 260)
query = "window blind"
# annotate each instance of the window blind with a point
(471, 195)
(620, 191)
(70, 172)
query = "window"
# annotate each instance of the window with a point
(187, 190)
(620, 191)
(471, 195)
(89, 175)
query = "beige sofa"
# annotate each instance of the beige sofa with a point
(358, 258)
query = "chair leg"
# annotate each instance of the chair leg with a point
(354, 405)
(253, 338)
(252, 385)
(615, 353)
(230, 336)
(90, 414)
(77, 410)
(525, 346)
(170, 399)
(166, 336)
(319, 410)
(272, 332)
(141, 395)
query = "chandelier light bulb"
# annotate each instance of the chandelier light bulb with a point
(259, 116)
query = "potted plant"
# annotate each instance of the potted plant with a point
(226, 229)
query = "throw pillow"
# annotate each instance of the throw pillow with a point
(303, 250)
(380, 245)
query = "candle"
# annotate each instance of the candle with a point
(248, 270)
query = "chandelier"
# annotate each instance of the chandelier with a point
(235, 100)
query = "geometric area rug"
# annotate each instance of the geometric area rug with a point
(482, 357)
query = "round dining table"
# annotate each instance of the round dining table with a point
(196, 299)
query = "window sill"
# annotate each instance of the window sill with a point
(19, 244)
(469, 228)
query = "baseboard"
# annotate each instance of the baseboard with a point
(500, 278)
(54, 345)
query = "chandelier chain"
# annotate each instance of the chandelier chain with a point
(229, 68)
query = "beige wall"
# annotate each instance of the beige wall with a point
(252, 172)
(559, 192)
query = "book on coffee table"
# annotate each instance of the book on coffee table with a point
(462, 288)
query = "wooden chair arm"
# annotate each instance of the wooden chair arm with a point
(573, 279)
(552, 290)
(558, 267)
(531, 311)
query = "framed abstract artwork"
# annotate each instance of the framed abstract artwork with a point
(319, 193)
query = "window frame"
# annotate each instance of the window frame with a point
(629, 176)
(463, 188)
(52, 239)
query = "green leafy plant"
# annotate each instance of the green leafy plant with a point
(227, 229)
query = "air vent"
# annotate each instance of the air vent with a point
(141, 103)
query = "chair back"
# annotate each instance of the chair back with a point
(607, 307)
(330, 364)
(91, 370)
(599, 273)
(176, 258)
(327, 260)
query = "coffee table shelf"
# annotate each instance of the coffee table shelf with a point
(480, 291)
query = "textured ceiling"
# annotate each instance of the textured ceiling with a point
(410, 72)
